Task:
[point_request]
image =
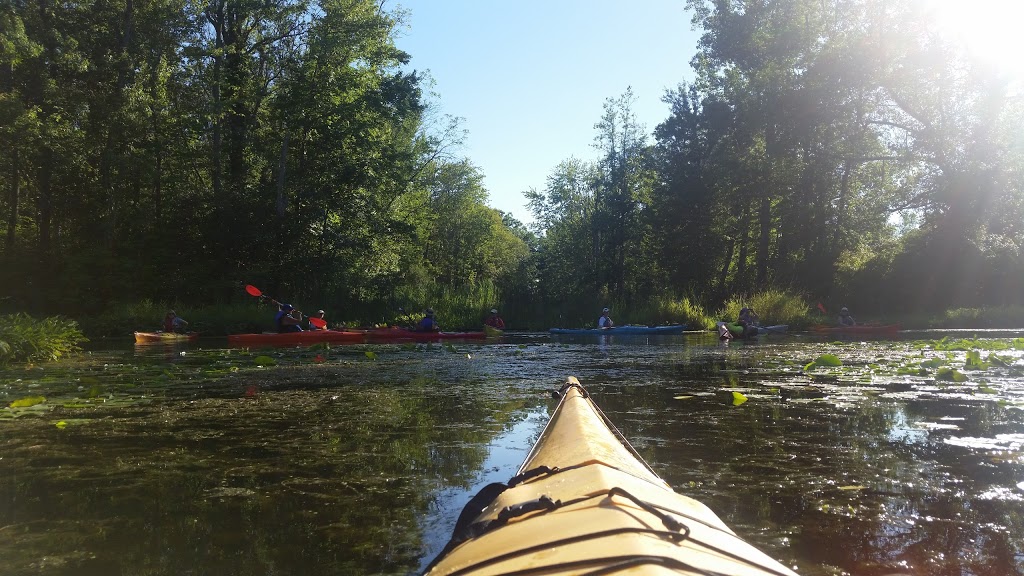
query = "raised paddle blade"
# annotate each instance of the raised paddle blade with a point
(252, 290)
(318, 322)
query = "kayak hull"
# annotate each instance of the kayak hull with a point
(395, 334)
(737, 331)
(305, 337)
(167, 337)
(583, 502)
(638, 330)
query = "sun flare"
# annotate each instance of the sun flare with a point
(989, 29)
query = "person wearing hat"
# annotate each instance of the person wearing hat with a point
(319, 314)
(495, 321)
(285, 322)
(845, 319)
(605, 321)
(174, 323)
(428, 324)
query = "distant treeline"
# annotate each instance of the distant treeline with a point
(174, 151)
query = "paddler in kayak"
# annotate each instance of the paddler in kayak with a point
(174, 323)
(748, 319)
(428, 324)
(605, 321)
(495, 321)
(845, 319)
(285, 322)
(313, 324)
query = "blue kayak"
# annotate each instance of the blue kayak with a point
(628, 329)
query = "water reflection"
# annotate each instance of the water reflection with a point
(210, 462)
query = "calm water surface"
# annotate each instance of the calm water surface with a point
(358, 459)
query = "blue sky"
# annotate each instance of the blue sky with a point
(530, 77)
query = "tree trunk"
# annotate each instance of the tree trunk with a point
(12, 200)
(14, 192)
(764, 243)
(282, 166)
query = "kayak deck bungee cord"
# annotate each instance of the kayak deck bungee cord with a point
(584, 502)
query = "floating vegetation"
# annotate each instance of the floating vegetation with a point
(824, 360)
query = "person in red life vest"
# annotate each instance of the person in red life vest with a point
(495, 321)
(319, 314)
(174, 323)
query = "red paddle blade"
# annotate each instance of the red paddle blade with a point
(253, 291)
(318, 322)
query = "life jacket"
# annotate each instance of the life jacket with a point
(282, 327)
(428, 324)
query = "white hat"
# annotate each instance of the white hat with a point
(605, 310)
(319, 311)
(494, 310)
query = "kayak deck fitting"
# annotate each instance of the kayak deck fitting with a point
(585, 502)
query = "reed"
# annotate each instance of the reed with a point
(27, 339)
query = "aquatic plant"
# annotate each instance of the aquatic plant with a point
(772, 306)
(27, 339)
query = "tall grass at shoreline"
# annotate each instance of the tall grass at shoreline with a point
(27, 339)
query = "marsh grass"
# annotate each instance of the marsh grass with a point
(661, 311)
(772, 307)
(27, 339)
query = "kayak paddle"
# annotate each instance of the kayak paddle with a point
(254, 291)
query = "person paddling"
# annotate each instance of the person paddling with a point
(845, 319)
(174, 323)
(314, 324)
(605, 320)
(285, 322)
(428, 324)
(495, 321)
(748, 319)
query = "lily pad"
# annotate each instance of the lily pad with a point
(27, 401)
(824, 360)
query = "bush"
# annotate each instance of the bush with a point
(674, 311)
(772, 307)
(994, 317)
(25, 339)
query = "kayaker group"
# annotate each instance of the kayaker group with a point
(285, 320)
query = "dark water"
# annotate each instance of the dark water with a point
(356, 460)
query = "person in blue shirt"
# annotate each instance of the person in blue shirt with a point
(605, 321)
(285, 322)
(428, 324)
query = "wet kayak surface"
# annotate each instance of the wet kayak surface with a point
(856, 456)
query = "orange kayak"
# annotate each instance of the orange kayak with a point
(584, 502)
(167, 337)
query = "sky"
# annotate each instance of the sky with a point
(530, 77)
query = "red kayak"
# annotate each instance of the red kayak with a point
(395, 334)
(165, 337)
(297, 338)
(857, 329)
